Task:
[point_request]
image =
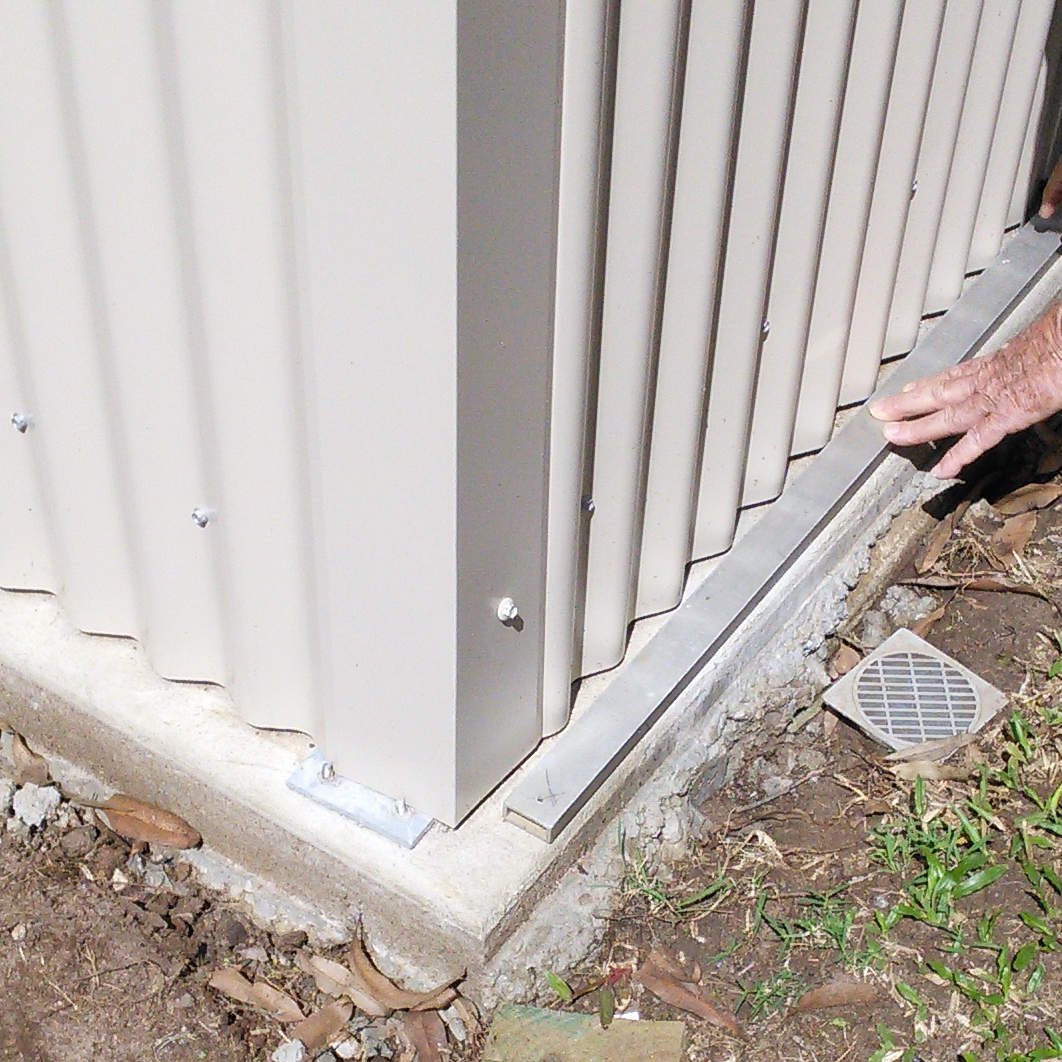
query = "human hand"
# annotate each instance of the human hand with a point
(1052, 192)
(982, 400)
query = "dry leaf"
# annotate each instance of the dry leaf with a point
(935, 749)
(835, 994)
(1031, 496)
(979, 581)
(466, 1011)
(670, 965)
(427, 1033)
(909, 770)
(334, 979)
(937, 540)
(30, 766)
(137, 820)
(388, 993)
(925, 624)
(323, 1025)
(230, 982)
(843, 660)
(668, 989)
(1012, 538)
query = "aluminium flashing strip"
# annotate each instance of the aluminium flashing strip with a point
(570, 771)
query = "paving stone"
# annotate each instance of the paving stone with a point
(533, 1034)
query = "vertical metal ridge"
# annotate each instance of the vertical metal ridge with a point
(824, 72)
(894, 189)
(583, 90)
(302, 381)
(742, 327)
(951, 74)
(875, 43)
(192, 296)
(641, 152)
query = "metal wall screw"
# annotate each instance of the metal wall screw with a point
(201, 517)
(766, 329)
(507, 610)
(914, 186)
(588, 503)
(20, 422)
(328, 772)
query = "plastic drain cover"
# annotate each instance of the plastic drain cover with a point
(907, 692)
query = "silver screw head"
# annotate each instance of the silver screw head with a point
(20, 422)
(588, 503)
(328, 772)
(914, 186)
(201, 517)
(766, 329)
(507, 610)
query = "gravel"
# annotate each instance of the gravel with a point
(35, 804)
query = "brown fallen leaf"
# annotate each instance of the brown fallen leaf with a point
(670, 965)
(668, 989)
(938, 539)
(926, 623)
(988, 581)
(385, 991)
(1031, 496)
(137, 820)
(323, 1025)
(835, 994)
(334, 979)
(1012, 538)
(935, 749)
(466, 1011)
(30, 766)
(279, 1006)
(909, 770)
(427, 1033)
(843, 660)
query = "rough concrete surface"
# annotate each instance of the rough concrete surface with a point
(486, 897)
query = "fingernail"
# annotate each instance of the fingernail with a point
(890, 431)
(874, 409)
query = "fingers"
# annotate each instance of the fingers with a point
(944, 421)
(1052, 192)
(934, 393)
(971, 446)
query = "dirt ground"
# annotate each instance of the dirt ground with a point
(929, 910)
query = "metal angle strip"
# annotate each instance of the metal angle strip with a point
(570, 771)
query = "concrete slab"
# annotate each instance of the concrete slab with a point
(487, 897)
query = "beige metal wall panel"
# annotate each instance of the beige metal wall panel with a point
(894, 188)
(583, 142)
(227, 134)
(851, 192)
(649, 35)
(951, 75)
(60, 323)
(816, 118)
(133, 252)
(1020, 197)
(1016, 118)
(710, 104)
(972, 150)
(759, 169)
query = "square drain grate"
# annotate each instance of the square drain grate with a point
(907, 691)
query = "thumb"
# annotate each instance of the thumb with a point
(1052, 192)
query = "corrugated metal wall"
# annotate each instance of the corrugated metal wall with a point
(791, 186)
(296, 268)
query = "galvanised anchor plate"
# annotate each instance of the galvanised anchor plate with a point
(390, 818)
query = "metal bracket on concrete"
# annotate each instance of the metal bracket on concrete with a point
(581, 757)
(391, 818)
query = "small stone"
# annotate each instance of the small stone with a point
(876, 628)
(7, 791)
(252, 953)
(78, 842)
(292, 1051)
(454, 1024)
(35, 804)
(347, 1049)
(325, 1056)
(119, 880)
(18, 933)
(904, 605)
(184, 1002)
